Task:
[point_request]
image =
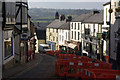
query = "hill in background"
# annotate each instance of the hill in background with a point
(44, 16)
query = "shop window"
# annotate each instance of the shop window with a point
(8, 48)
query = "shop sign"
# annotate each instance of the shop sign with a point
(99, 35)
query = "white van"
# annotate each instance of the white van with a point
(43, 48)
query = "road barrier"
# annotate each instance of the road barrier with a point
(100, 74)
(70, 65)
(53, 52)
(72, 68)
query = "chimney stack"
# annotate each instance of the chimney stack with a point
(95, 12)
(57, 15)
(62, 17)
(69, 18)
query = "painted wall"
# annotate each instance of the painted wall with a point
(63, 35)
(106, 15)
(94, 29)
(105, 27)
(75, 28)
(52, 36)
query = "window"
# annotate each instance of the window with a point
(53, 38)
(106, 14)
(62, 38)
(78, 26)
(75, 35)
(56, 38)
(75, 25)
(49, 37)
(87, 31)
(53, 30)
(72, 34)
(72, 26)
(8, 48)
(78, 35)
(66, 35)
(56, 30)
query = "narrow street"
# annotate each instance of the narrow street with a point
(43, 70)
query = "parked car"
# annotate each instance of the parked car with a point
(43, 48)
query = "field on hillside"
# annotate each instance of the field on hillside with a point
(43, 16)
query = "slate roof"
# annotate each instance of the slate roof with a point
(65, 26)
(108, 3)
(82, 17)
(56, 24)
(96, 18)
(41, 34)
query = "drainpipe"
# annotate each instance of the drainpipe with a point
(109, 32)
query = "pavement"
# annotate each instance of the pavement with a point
(19, 68)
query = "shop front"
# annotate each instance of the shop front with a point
(71, 47)
(90, 47)
(31, 49)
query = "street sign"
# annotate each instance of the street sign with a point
(99, 35)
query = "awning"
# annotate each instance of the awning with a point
(64, 45)
(72, 45)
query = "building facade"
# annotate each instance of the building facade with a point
(92, 45)
(76, 30)
(105, 28)
(52, 32)
(114, 34)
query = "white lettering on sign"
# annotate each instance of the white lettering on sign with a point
(74, 57)
(96, 64)
(71, 63)
(80, 64)
(89, 74)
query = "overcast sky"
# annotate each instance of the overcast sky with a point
(67, 4)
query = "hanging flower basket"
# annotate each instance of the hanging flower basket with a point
(117, 9)
(110, 10)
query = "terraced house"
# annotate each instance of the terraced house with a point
(64, 34)
(91, 28)
(52, 32)
(75, 31)
(17, 31)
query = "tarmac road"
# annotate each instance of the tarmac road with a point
(43, 70)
